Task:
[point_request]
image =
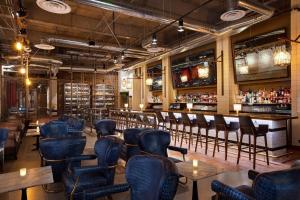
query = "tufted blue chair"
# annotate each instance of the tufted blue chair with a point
(75, 124)
(54, 129)
(63, 118)
(3, 138)
(276, 185)
(149, 177)
(105, 127)
(131, 140)
(157, 142)
(77, 178)
(56, 151)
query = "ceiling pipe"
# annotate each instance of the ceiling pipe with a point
(256, 7)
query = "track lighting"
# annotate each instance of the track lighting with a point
(154, 39)
(180, 25)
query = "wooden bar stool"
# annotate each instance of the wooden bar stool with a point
(186, 121)
(203, 124)
(247, 128)
(161, 121)
(176, 122)
(221, 125)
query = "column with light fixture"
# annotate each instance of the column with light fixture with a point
(226, 87)
(295, 73)
(145, 86)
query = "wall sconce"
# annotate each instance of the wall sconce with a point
(203, 72)
(183, 78)
(141, 106)
(189, 106)
(149, 81)
(126, 106)
(123, 83)
(159, 82)
(237, 107)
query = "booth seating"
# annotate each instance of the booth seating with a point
(276, 185)
(148, 177)
(77, 179)
(55, 152)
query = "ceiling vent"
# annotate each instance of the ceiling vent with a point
(54, 6)
(232, 13)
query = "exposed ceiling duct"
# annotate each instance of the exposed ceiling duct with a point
(130, 10)
(129, 52)
(36, 59)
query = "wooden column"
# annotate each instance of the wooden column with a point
(295, 73)
(226, 88)
(145, 88)
(168, 92)
(136, 91)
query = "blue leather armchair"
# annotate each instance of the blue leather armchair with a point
(157, 142)
(276, 185)
(131, 140)
(56, 151)
(78, 178)
(54, 129)
(149, 178)
(105, 127)
(3, 138)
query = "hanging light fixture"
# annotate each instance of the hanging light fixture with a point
(115, 60)
(149, 81)
(22, 70)
(180, 25)
(19, 46)
(183, 78)
(154, 39)
(281, 56)
(122, 55)
(203, 72)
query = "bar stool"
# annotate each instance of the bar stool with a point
(203, 124)
(247, 128)
(221, 125)
(176, 122)
(187, 123)
(161, 121)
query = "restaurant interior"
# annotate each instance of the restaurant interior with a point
(150, 99)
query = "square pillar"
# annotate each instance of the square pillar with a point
(168, 92)
(226, 88)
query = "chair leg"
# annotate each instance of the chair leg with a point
(226, 143)
(266, 148)
(190, 137)
(206, 140)
(240, 149)
(199, 131)
(182, 135)
(254, 153)
(249, 147)
(216, 141)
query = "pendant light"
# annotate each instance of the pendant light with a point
(180, 26)
(154, 39)
(281, 56)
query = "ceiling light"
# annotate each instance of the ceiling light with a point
(149, 81)
(19, 45)
(54, 6)
(22, 70)
(180, 25)
(232, 13)
(154, 39)
(123, 55)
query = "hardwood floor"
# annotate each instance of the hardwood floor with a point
(234, 174)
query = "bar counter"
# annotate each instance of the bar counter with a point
(278, 137)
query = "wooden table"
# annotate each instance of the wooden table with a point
(34, 133)
(203, 170)
(13, 181)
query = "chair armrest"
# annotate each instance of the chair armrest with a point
(105, 191)
(81, 157)
(178, 149)
(228, 192)
(252, 174)
(78, 171)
